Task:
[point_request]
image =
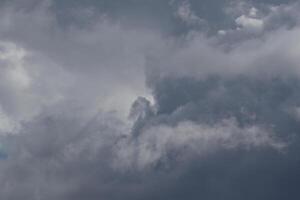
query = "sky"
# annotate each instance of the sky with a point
(149, 99)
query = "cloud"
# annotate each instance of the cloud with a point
(185, 13)
(250, 24)
(161, 143)
(106, 100)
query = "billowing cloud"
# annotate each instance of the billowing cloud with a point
(250, 24)
(149, 100)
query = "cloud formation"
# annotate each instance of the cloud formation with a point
(106, 100)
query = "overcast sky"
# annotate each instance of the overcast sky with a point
(149, 99)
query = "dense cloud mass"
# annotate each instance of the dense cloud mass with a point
(149, 99)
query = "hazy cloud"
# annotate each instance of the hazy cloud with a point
(149, 99)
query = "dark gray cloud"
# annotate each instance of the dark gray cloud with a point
(141, 99)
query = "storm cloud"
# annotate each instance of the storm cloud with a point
(178, 99)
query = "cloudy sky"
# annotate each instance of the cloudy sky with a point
(149, 99)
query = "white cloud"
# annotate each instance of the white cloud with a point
(7, 125)
(221, 32)
(253, 12)
(99, 67)
(11, 57)
(155, 143)
(250, 24)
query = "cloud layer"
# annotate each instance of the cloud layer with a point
(149, 100)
